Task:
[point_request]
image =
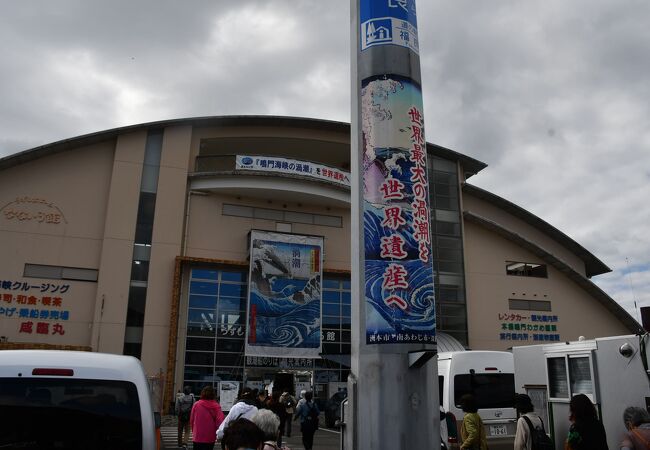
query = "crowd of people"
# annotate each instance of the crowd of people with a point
(256, 421)
(586, 431)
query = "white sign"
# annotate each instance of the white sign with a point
(293, 167)
(228, 394)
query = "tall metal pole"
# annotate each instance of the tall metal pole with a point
(393, 385)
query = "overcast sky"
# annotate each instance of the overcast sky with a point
(553, 95)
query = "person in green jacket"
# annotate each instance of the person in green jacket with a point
(472, 432)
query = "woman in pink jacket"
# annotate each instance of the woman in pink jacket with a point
(205, 418)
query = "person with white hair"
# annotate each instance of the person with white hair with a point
(637, 423)
(268, 422)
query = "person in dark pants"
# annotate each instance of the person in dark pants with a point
(586, 431)
(308, 413)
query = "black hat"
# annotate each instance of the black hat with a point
(523, 403)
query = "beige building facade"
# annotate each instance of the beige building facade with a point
(136, 240)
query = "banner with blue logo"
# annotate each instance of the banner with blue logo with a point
(284, 295)
(389, 22)
(400, 304)
(293, 167)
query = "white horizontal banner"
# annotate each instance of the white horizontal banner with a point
(294, 167)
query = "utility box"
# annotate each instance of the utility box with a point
(611, 371)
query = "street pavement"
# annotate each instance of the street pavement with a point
(324, 439)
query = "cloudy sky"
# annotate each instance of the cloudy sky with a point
(554, 96)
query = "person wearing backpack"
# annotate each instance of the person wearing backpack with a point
(530, 434)
(308, 413)
(183, 408)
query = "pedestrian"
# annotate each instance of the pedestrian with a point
(278, 408)
(242, 434)
(183, 409)
(269, 423)
(586, 431)
(637, 423)
(206, 417)
(262, 399)
(472, 432)
(528, 421)
(308, 413)
(245, 407)
(289, 402)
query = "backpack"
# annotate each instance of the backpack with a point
(185, 408)
(311, 421)
(539, 438)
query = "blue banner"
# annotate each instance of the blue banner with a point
(284, 295)
(400, 304)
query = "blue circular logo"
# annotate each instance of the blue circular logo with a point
(247, 160)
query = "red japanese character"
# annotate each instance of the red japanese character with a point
(31, 300)
(57, 328)
(395, 277)
(417, 155)
(7, 298)
(421, 228)
(417, 136)
(43, 328)
(393, 217)
(56, 301)
(419, 174)
(424, 252)
(22, 299)
(420, 209)
(392, 247)
(396, 300)
(416, 115)
(420, 191)
(46, 300)
(392, 189)
(26, 327)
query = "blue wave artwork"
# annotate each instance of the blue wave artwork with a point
(284, 310)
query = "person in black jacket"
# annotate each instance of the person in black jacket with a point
(586, 431)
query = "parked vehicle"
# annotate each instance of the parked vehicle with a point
(489, 377)
(333, 408)
(60, 399)
(611, 371)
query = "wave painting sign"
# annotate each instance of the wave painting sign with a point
(284, 295)
(400, 306)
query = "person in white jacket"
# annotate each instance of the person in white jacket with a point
(245, 408)
(523, 436)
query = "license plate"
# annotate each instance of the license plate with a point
(498, 430)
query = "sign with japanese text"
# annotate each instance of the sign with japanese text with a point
(528, 327)
(284, 295)
(293, 167)
(38, 306)
(400, 306)
(389, 22)
(228, 391)
(31, 209)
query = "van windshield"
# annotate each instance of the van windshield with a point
(60, 413)
(493, 390)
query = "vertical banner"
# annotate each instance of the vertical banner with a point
(284, 295)
(400, 306)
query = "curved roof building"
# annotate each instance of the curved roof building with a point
(136, 240)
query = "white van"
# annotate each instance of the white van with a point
(53, 399)
(489, 377)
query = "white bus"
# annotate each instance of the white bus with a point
(489, 377)
(62, 399)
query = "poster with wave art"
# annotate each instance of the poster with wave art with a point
(284, 300)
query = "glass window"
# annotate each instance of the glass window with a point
(329, 283)
(201, 316)
(203, 373)
(331, 296)
(557, 378)
(237, 210)
(331, 349)
(106, 414)
(230, 345)
(345, 311)
(233, 276)
(228, 359)
(526, 269)
(329, 221)
(137, 301)
(269, 214)
(231, 318)
(494, 390)
(447, 228)
(139, 270)
(291, 216)
(205, 274)
(345, 298)
(199, 358)
(441, 388)
(331, 321)
(580, 375)
(232, 290)
(200, 329)
(203, 301)
(231, 304)
(203, 287)
(331, 310)
(203, 344)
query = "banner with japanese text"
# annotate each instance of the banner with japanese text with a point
(293, 167)
(284, 295)
(400, 306)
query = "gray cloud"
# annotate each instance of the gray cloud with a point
(552, 95)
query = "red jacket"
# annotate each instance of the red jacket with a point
(205, 418)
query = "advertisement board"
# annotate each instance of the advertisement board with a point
(284, 295)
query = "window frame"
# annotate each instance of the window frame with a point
(567, 367)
